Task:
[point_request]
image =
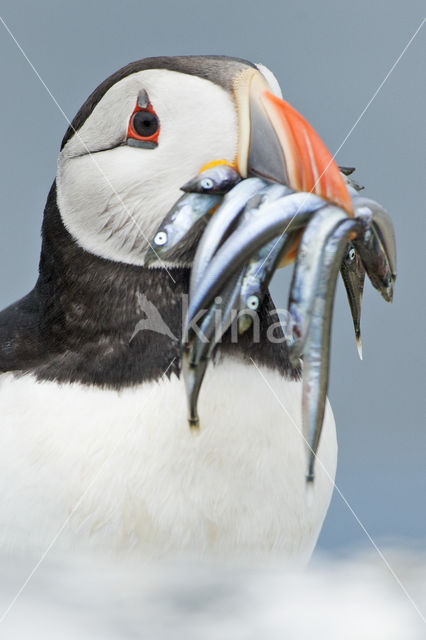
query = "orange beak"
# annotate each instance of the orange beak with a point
(276, 142)
(309, 164)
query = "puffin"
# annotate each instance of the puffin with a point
(95, 449)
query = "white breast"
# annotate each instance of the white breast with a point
(123, 471)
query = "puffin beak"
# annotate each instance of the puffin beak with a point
(277, 143)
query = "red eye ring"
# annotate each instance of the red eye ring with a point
(144, 126)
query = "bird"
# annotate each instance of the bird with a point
(95, 450)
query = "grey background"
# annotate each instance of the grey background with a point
(329, 58)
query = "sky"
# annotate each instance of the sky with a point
(344, 67)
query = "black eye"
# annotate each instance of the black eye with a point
(145, 123)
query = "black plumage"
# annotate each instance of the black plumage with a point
(77, 324)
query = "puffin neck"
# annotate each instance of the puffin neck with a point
(92, 317)
(83, 294)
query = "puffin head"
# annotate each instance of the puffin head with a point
(154, 124)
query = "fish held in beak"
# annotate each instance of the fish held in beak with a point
(292, 202)
(317, 344)
(258, 274)
(307, 274)
(353, 276)
(276, 143)
(270, 192)
(198, 345)
(181, 228)
(376, 245)
(296, 208)
(218, 178)
(220, 224)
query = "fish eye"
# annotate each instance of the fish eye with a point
(207, 184)
(145, 123)
(351, 254)
(253, 302)
(160, 238)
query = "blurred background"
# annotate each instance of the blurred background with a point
(329, 57)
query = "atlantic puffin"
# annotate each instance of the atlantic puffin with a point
(94, 441)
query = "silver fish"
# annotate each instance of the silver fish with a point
(317, 345)
(258, 274)
(198, 348)
(218, 179)
(259, 269)
(353, 275)
(180, 230)
(219, 225)
(306, 275)
(295, 209)
(376, 245)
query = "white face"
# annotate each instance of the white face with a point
(113, 199)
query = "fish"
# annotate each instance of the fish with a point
(196, 349)
(220, 224)
(258, 274)
(353, 276)
(306, 276)
(246, 239)
(316, 354)
(218, 179)
(198, 345)
(237, 249)
(178, 234)
(180, 230)
(264, 261)
(376, 245)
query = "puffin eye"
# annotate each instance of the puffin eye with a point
(145, 123)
